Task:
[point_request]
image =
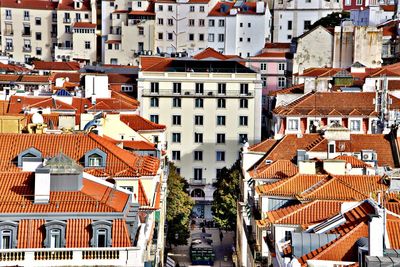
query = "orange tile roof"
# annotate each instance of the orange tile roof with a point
(350, 104)
(53, 104)
(17, 190)
(324, 187)
(50, 65)
(264, 146)
(77, 233)
(35, 78)
(142, 198)
(277, 45)
(30, 4)
(393, 230)
(355, 162)
(113, 41)
(120, 163)
(272, 55)
(295, 89)
(120, 234)
(30, 233)
(9, 77)
(279, 169)
(72, 77)
(84, 25)
(139, 123)
(302, 214)
(69, 5)
(138, 145)
(212, 53)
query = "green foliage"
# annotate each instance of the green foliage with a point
(179, 208)
(331, 20)
(225, 197)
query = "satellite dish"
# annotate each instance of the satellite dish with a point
(37, 118)
(67, 79)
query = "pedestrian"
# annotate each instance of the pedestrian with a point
(203, 229)
(221, 236)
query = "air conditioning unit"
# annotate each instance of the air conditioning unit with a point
(367, 155)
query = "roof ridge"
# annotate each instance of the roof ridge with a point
(302, 207)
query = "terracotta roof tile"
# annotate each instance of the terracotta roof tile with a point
(120, 234)
(295, 89)
(142, 198)
(355, 162)
(212, 53)
(31, 233)
(393, 230)
(50, 65)
(84, 25)
(277, 45)
(138, 145)
(29, 4)
(69, 5)
(279, 169)
(139, 123)
(264, 146)
(78, 233)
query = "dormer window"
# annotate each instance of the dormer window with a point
(101, 234)
(8, 235)
(30, 154)
(95, 158)
(55, 234)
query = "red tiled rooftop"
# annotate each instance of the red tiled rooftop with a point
(355, 162)
(295, 89)
(212, 53)
(30, 4)
(264, 146)
(139, 123)
(277, 45)
(279, 169)
(271, 55)
(84, 25)
(49, 65)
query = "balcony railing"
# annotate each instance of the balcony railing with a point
(194, 181)
(192, 93)
(69, 256)
(26, 18)
(8, 17)
(67, 20)
(9, 48)
(26, 33)
(26, 49)
(64, 47)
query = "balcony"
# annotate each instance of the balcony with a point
(67, 20)
(191, 93)
(9, 48)
(26, 18)
(194, 181)
(9, 33)
(8, 17)
(69, 256)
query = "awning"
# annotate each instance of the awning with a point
(170, 262)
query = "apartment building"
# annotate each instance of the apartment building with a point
(293, 18)
(47, 30)
(248, 25)
(210, 107)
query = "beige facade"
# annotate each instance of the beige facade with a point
(45, 30)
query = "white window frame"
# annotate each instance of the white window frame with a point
(351, 124)
(291, 122)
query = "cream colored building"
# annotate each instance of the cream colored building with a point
(210, 108)
(45, 30)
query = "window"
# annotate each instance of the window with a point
(8, 14)
(139, 4)
(160, 36)
(201, 22)
(170, 36)
(154, 118)
(101, 238)
(176, 137)
(176, 155)
(220, 120)
(221, 37)
(355, 125)
(191, 22)
(201, 37)
(201, 8)
(220, 155)
(288, 234)
(38, 51)
(199, 88)
(55, 234)
(307, 24)
(169, 8)
(95, 160)
(211, 23)
(26, 15)
(332, 148)
(176, 120)
(191, 37)
(244, 88)
(126, 88)
(160, 8)
(220, 138)
(347, 2)
(281, 66)
(281, 82)
(198, 155)
(264, 80)
(359, 2)
(289, 25)
(221, 23)
(161, 21)
(263, 66)
(191, 8)
(154, 88)
(198, 137)
(198, 174)
(38, 36)
(5, 239)
(211, 37)
(289, 36)
(249, 25)
(198, 120)
(154, 102)
(243, 103)
(8, 235)
(242, 138)
(141, 30)
(38, 21)
(55, 238)
(101, 235)
(248, 40)
(221, 103)
(67, 29)
(222, 88)
(243, 120)
(176, 102)
(87, 45)
(293, 124)
(170, 22)
(198, 102)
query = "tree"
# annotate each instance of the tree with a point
(179, 208)
(226, 196)
(331, 20)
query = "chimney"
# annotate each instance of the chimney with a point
(335, 166)
(376, 233)
(260, 7)
(42, 186)
(307, 167)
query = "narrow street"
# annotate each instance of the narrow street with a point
(181, 254)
